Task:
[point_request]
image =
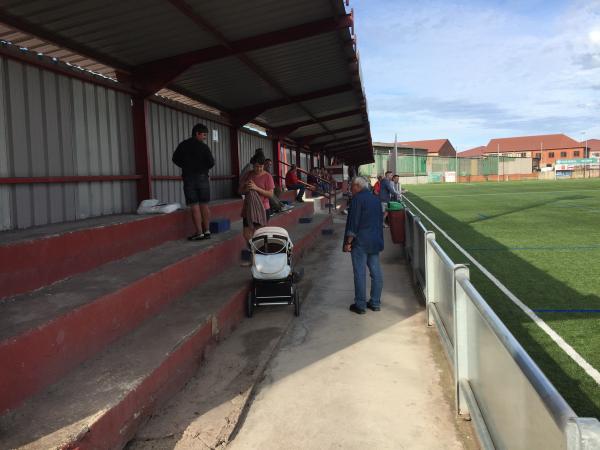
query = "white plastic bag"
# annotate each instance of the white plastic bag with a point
(153, 206)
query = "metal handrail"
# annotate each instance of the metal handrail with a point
(326, 195)
(556, 405)
(475, 396)
(304, 171)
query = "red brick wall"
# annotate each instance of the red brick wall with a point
(569, 154)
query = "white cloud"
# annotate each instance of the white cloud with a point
(476, 70)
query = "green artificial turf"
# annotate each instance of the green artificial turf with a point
(542, 240)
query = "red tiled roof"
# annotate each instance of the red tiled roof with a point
(431, 145)
(475, 151)
(525, 143)
(593, 144)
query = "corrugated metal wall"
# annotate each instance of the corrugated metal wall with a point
(304, 161)
(289, 157)
(249, 142)
(167, 127)
(52, 125)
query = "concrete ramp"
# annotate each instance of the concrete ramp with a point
(328, 379)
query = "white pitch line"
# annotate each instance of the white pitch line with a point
(581, 362)
(510, 193)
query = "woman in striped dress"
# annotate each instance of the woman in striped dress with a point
(257, 187)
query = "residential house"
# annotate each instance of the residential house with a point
(544, 149)
(434, 147)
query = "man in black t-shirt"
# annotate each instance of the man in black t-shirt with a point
(195, 159)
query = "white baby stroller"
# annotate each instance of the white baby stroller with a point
(273, 279)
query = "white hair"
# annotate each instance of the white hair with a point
(361, 182)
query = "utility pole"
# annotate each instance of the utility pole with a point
(456, 165)
(395, 153)
(414, 165)
(498, 168)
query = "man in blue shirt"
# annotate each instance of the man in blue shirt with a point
(363, 238)
(387, 193)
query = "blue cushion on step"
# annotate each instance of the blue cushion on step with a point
(219, 225)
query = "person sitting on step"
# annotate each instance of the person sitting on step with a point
(292, 182)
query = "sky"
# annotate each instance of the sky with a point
(473, 70)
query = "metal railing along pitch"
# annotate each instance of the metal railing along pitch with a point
(497, 384)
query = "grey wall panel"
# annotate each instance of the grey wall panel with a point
(5, 191)
(56, 200)
(37, 148)
(167, 127)
(67, 146)
(113, 146)
(249, 142)
(288, 156)
(92, 148)
(53, 125)
(105, 152)
(304, 161)
(83, 204)
(19, 146)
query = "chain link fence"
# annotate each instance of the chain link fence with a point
(437, 169)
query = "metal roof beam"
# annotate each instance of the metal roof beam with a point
(343, 139)
(345, 144)
(349, 150)
(51, 38)
(187, 10)
(338, 130)
(285, 130)
(244, 115)
(152, 76)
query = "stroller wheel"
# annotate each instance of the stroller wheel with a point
(250, 304)
(296, 302)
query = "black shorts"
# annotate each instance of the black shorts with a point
(268, 212)
(196, 189)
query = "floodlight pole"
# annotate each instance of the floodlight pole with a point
(456, 166)
(395, 153)
(415, 166)
(498, 168)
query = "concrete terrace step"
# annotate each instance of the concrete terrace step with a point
(45, 333)
(36, 257)
(101, 403)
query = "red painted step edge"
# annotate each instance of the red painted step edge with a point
(39, 357)
(119, 424)
(31, 264)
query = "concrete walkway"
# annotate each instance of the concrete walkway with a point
(339, 380)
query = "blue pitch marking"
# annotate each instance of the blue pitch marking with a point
(567, 310)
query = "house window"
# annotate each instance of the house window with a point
(576, 153)
(563, 154)
(551, 155)
(538, 155)
(523, 155)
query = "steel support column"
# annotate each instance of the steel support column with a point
(140, 141)
(234, 153)
(276, 160)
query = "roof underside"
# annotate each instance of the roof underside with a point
(290, 67)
